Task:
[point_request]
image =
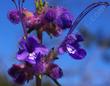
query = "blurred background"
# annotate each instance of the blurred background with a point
(93, 70)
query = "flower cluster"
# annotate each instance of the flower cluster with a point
(52, 20)
(36, 59)
(35, 62)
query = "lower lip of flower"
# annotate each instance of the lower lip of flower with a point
(31, 55)
(71, 50)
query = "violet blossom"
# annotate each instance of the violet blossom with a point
(13, 16)
(55, 71)
(31, 50)
(72, 47)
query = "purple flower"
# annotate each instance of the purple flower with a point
(20, 73)
(76, 53)
(53, 29)
(64, 18)
(79, 38)
(14, 70)
(20, 78)
(13, 16)
(55, 71)
(50, 15)
(57, 31)
(30, 50)
(79, 54)
(39, 68)
(72, 47)
(30, 22)
(29, 19)
(60, 10)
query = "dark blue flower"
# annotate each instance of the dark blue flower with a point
(79, 38)
(55, 71)
(30, 50)
(66, 19)
(50, 15)
(39, 68)
(76, 53)
(72, 47)
(20, 74)
(13, 16)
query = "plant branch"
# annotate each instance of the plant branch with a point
(55, 81)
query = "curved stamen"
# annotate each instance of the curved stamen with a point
(15, 4)
(20, 5)
(56, 82)
(85, 12)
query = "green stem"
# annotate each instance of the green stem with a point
(39, 34)
(55, 81)
(38, 81)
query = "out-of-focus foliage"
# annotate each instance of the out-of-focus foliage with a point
(99, 39)
(5, 82)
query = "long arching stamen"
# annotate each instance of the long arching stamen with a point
(15, 4)
(21, 17)
(85, 12)
(19, 4)
(22, 3)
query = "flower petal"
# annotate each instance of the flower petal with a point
(79, 38)
(50, 15)
(14, 70)
(31, 58)
(40, 68)
(14, 16)
(55, 71)
(20, 79)
(22, 55)
(29, 44)
(78, 54)
(67, 19)
(42, 50)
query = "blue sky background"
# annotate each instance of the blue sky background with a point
(91, 71)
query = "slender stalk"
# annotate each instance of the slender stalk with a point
(21, 17)
(39, 34)
(55, 81)
(38, 81)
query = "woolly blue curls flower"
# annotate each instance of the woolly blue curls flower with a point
(36, 57)
(72, 47)
(31, 50)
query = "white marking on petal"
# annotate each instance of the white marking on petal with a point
(71, 49)
(32, 56)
